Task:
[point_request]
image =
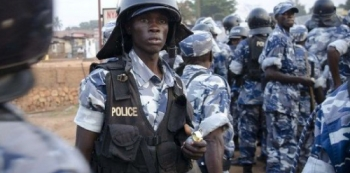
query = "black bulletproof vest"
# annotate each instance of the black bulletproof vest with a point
(256, 46)
(128, 143)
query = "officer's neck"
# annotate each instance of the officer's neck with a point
(151, 61)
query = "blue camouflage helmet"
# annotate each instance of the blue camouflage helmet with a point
(284, 7)
(197, 44)
(298, 32)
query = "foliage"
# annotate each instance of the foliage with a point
(57, 24)
(346, 6)
(90, 25)
(301, 8)
(217, 9)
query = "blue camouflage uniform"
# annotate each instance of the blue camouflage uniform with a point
(304, 101)
(208, 93)
(330, 152)
(342, 46)
(27, 148)
(281, 101)
(250, 101)
(222, 59)
(317, 41)
(153, 94)
(311, 67)
(178, 59)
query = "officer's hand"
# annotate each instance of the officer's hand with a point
(194, 150)
(306, 81)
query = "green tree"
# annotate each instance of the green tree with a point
(57, 23)
(346, 6)
(186, 9)
(217, 9)
(301, 8)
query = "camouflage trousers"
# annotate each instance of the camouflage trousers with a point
(251, 122)
(305, 111)
(235, 111)
(281, 142)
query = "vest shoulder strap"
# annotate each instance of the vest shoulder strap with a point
(194, 76)
(117, 78)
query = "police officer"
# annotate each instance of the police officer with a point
(245, 63)
(231, 21)
(281, 94)
(327, 27)
(338, 60)
(133, 115)
(222, 54)
(330, 151)
(346, 19)
(209, 95)
(236, 35)
(23, 146)
(308, 65)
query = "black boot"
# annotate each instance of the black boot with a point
(247, 168)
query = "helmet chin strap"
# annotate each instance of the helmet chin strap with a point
(171, 48)
(122, 41)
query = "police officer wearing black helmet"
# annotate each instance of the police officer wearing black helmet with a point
(133, 114)
(326, 27)
(231, 21)
(273, 20)
(245, 66)
(25, 147)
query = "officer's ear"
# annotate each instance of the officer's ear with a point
(127, 28)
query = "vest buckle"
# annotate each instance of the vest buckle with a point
(122, 77)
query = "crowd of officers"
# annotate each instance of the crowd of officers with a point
(260, 85)
(278, 72)
(153, 108)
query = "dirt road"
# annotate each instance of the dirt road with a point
(61, 123)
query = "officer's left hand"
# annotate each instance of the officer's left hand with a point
(194, 150)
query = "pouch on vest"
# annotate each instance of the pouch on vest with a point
(125, 142)
(256, 46)
(179, 110)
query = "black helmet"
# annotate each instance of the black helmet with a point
(128, 9)
(259, 21)
(25, 32)
(231, 21)
(238, 32)
(273, 20)
(324, 14)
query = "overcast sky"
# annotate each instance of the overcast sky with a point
(73, 12)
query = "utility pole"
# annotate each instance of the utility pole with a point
(198, 8)
(99, 25)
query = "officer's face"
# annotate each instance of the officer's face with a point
(235, 41)
(149, 31)
(286, 19)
